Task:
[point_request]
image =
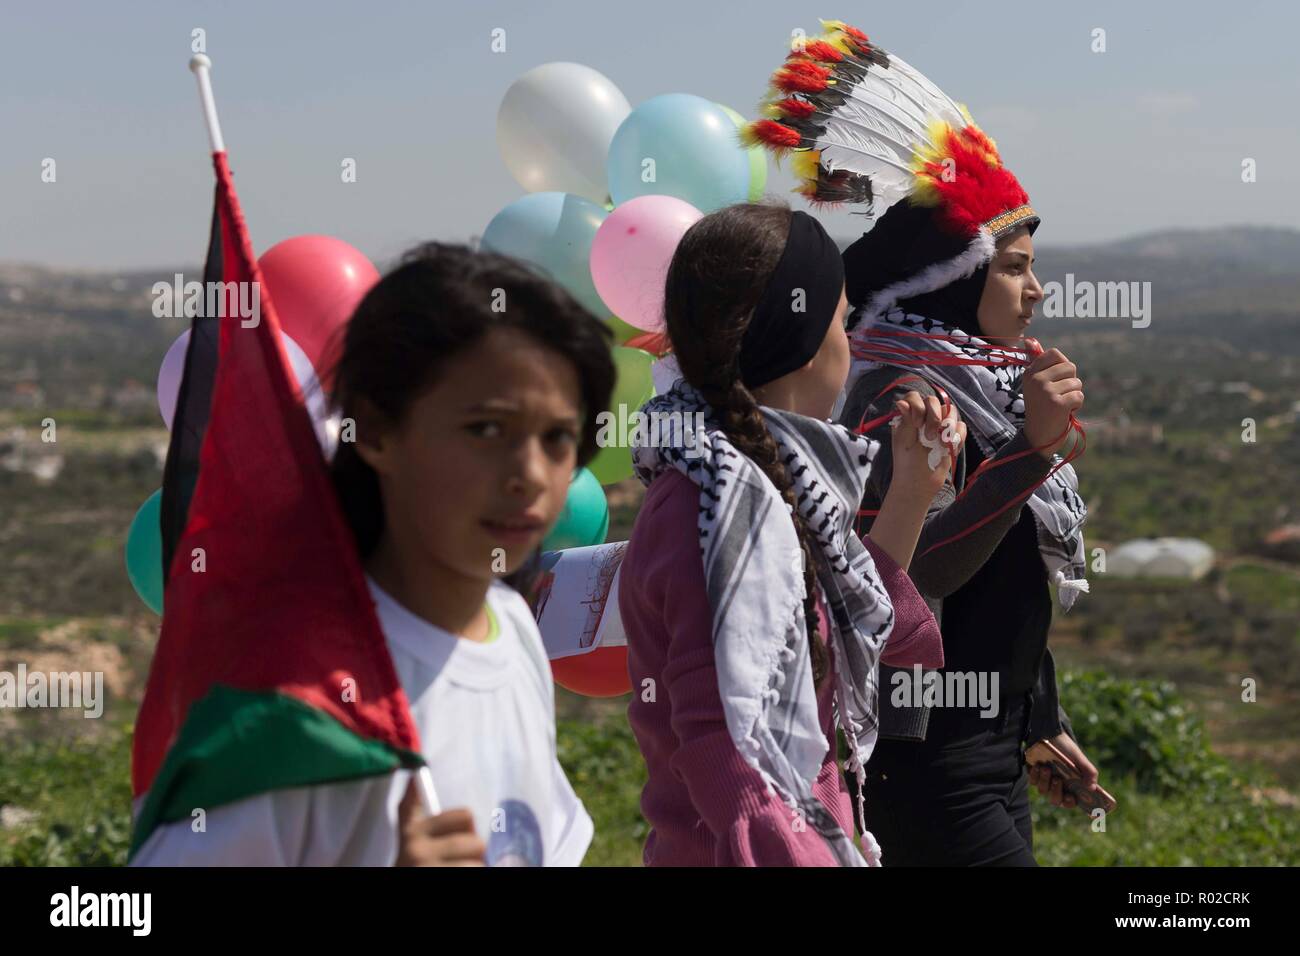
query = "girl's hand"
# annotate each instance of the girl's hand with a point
(447, 839)
(1052, 392)
(919, 416)
(914, 483)
(1052, 786)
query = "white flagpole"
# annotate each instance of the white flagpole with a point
(428, 795)
(199, 66)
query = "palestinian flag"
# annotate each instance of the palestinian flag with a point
(271, 669)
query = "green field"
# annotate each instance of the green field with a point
(1155, 671)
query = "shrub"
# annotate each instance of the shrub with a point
(1141, 729)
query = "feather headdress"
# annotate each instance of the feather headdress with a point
(861, 126)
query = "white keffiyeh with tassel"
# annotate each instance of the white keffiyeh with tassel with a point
(993, 407)
(755, 584)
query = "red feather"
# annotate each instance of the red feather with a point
(818, 50)
(981, 189)
(775, 134)
(802, 76)
(796, 109)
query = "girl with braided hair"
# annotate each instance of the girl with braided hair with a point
(753, 613)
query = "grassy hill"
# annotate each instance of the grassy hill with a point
(1156, 669)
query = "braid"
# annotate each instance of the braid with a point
(715, 280)
(742, 420)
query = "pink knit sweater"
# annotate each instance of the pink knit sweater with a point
(705, 805)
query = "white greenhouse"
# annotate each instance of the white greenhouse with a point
(1186, 558)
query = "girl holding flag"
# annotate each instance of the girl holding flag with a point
(943, 290)
(753, 613)
(470, 422)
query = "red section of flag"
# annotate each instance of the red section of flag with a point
(281, 603)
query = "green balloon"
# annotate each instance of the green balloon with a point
(144, 558)
(622, 331)
(585, 518)
(757, 160)
(633, 388)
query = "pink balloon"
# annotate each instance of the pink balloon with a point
(631, 253)
(316, 282)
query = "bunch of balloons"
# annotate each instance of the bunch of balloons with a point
(316, 283)
(611, 192)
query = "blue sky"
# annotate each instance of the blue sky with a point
(1148, 135)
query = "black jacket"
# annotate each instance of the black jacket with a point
(988, 589)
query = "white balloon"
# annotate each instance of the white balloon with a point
(664, 373)
(554, 128)
(325, 426)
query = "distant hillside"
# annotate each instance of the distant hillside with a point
(1241, 284)
(1266, 250)
(1194, 272)
(90, 340)
(81, 339)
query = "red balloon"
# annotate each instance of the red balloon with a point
(316, 282)
(598, 673)
(656, 343)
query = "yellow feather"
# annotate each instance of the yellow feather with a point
(925, 191)
(805, 164)
(840, 42)
(937, 132)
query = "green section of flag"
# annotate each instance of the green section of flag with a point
(239, 743)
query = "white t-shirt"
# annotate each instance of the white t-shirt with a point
(486, 718)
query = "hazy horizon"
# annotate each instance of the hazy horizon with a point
(1142, 138)
(840, 239)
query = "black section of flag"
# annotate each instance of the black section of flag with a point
(193, 406)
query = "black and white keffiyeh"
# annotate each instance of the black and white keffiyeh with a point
(990, 401)
(753, 573)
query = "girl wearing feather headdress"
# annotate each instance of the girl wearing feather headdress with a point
(942, 290)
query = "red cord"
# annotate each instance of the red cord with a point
(999, 356)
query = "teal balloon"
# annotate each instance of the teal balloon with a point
(554, 231)
(144, 552)
(696, 150)
(585, 518)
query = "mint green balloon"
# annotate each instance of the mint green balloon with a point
(144, 557)
(633, 387)
(585, 518)
(757, 160)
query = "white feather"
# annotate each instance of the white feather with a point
(939, 102)
(877, 130)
